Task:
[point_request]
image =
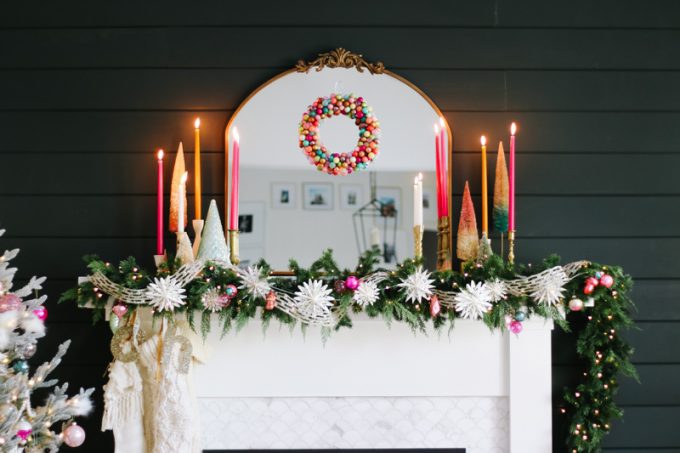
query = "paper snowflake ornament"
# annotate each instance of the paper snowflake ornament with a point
(212, 300)
(418, 285)
(549, 288)
(313, 299)
(253, 282)
(497, 289)
(366, 293)
(165, 294)
(473, 301)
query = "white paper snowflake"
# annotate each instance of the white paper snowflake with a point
(497, 289)
(366, 293)
(212, 300)
(548, 290)
(253, 282)
(473, 301)
(165, 294)
(418, 285)
(313, 299)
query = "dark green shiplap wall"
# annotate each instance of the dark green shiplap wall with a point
(89, 89)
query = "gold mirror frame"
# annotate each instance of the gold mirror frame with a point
(338, 58)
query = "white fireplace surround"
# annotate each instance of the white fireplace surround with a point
(375, 386)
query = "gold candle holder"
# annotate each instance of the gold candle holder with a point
(233, 247)
(511, 246)
(443, 244)
(418, 241)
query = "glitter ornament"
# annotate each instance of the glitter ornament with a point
(435, 306)
(501, 197)
(224, 300)
(516, 327)
(20, 366)
(339, 286)
(120, 310)
(230, 291)
(467, 245)
(9, 302)
(114, 323)
(351, 283)
(270, 301)
(26, 351)
(344, 163)
(74, 435)
(212, 300)
(588, 289)
(607, 280)
(40, 313)
(576, 304)
(24, 430)
(520, 316)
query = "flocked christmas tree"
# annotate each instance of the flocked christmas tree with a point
(23, 427)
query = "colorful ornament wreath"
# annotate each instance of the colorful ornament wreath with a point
(343, 163)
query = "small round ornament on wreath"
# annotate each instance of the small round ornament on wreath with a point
(333, 162)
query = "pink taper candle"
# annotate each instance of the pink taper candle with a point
(159, 221)
(438, 175)
(444, 149)
(511, 185)
(233, 214)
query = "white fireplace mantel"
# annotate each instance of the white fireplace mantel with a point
(371, 363)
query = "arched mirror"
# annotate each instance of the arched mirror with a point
(288, 208)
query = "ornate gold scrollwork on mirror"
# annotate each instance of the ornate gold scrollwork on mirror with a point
(340, 58)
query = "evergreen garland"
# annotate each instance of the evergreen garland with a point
(605, 354)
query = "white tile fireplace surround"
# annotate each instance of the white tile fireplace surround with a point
(378, 387)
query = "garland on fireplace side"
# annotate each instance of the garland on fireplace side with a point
(498, 293)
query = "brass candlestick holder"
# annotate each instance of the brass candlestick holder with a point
(443, 244)
(233, 247)
(418, 241)
(511, 246)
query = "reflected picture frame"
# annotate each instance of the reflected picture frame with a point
(351, 197)
(317, 196)
(284, 195)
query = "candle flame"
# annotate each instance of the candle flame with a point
(436, 128)
(160, 154)
(483, 140)
(442, 122)
(197, 123)
(513, 129)
(236, 136)
(184, 177)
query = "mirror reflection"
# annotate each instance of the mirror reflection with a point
(288, 208)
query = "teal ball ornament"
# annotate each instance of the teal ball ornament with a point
(520, 316)
(20, 366)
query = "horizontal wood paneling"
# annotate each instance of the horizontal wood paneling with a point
(120, 216)
(583, 133)
(646, 427)
(536, 174)
(396, 47)
(449, 13)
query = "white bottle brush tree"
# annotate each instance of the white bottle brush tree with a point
(24, 427)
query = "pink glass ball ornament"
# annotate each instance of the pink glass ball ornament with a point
(576, 304)
(224, 300)
(516, 327)
(24, 429)
(9, 302)
(41, 313)
(74, 435)
(270, 301)
(588, 289)
(592, 281)
(339, 286)
(351, 283)
(120, 310)
(607, 280)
